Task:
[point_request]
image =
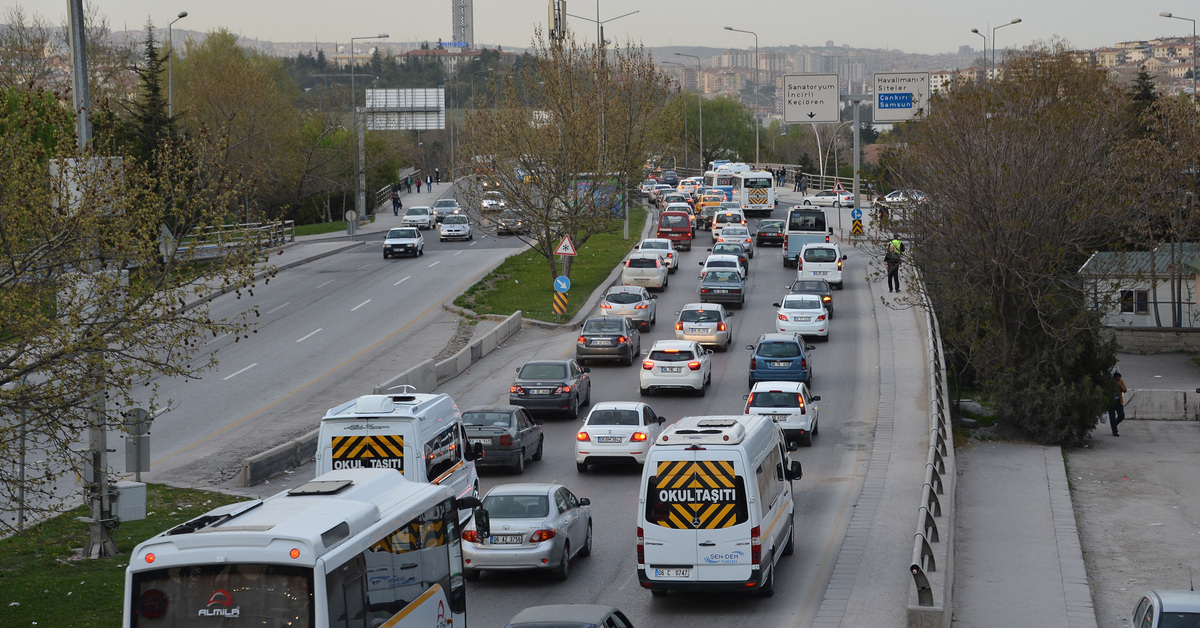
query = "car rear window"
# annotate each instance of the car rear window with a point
(543, 371)
(517, 506)
(642, 262)
(779, 349)
(604, 327)
(802, 303)
(721, 276)
(820, 255)
(735, 231)
(614, 417)
(488, 419)
(700, 316)
(810, 286)
(417, 211)
(623, 298)
(656, 246)
(774, 399)
(726, 249)
(737, 218)
(663, 355)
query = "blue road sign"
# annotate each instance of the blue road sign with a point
(562, 284)
(856, 213)
(895, 101)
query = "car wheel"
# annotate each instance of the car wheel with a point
(768, 588)
(385, 255)
(806, 440)
(750, 382)
(441, 239)
(751, 253)
(573, 408)
(581, 467)
(471, 236)
(537, 455)
(666, 282)
(816, 428)
(519, 466)
(645, 392)
(702, 390)
(586, 550)
(588, 399)
(471, 575)
(420, 252)
(564, 564)
(790, 548)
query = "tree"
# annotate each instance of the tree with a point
(87, 287)
(1019, 177)
(567, 137)
(24, 43)
(151, 122)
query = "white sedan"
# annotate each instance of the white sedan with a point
(616, 431)
(676, 365)
(803, 314)
(829, 198)
(456, 227)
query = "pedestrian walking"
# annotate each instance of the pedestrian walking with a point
(437, 176)
(408, 184)
(1116, 412)
(396, 200)
(428, 183)
(803, 183)
(418, 185)
(891, 258)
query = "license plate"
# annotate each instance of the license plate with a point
(540, 391)
(671, 369)
(698, 330)
(820, 272)
(507, 539)
(608, 439)
(777, 417)
(720, 291)
(482, 441)
(601, 341)
(672, 573)
(781, 364)
(801, 319)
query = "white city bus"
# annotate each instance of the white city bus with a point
(353, 547)
(755, 192)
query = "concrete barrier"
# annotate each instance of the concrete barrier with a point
(456, 364)
(278, 459)
(1162, 405)
(422, 377)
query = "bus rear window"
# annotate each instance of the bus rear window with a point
(225, 594)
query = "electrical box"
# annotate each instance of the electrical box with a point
(129, 501)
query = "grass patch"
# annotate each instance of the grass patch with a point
(42, 583)
(523, 282)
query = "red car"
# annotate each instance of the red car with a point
(676, 227)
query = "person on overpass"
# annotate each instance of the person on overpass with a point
(891, 258)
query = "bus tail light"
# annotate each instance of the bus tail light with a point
(755, 546)
(641, 546)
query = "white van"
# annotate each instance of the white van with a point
(418, 434)
(715, 511)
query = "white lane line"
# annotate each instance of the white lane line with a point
(472, 244)
(458, 252)
(434, 264)
(401, 281)
(360, 305)
(241, 371)
(278, 308)
(325, 284)
(310, 335)
(364, 266)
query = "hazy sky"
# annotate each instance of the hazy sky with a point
(924, 26)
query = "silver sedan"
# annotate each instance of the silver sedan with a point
(533, 526)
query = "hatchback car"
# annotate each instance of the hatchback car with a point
(533, 526)
(769, 232)
(445, 207)
(780, 357)
(802, 314)
(734, 249)
(669, 177)
(456, 227)
(551, 386)
(616, 431)
(722, 262)
(403, 241)
(608, 338)
(632, 302)
(420, 217)
(646, 270)
(705, 323)
(789, 405)
(704, 217)
(829, 198)
(821, 260)
(723, 286)
(818, 287)
(667, 198)
(664, 248)
(570, 616)
(676, 365)
(724, 219)
(508, 434)
(739, 234)
(1167, 609)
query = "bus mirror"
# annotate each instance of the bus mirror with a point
(476, 451)
(483, 522)
(794, 471)
(467, 503)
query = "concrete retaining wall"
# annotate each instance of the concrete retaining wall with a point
(1151, 340)
(1162, 405)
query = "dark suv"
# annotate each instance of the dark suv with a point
(781, 357)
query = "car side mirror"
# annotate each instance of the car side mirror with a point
(585, 369)
(483, 523)
(810, 347)
(662, 419)
(831, 231)
(815, 398)
(746, 397)
(710, 250)
(476, 451)
(701, 263)
(730, 314)
(794, 471)
(844, 257)
(774, 305)
(676, 313)
(750, 347)
(583, 501)
(654, 296)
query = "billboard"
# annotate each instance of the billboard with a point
(406, 109)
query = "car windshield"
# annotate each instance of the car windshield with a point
(700, 316)
(728, 249)
(517, 506)
(735, 231)
(417, 211)
(671, 355)
(455, 220)
(779, 349)
(642, 262)
(488, 419)
(721, 276)
(802, 303)
(624, 298)
(614, 417)
(396, 234)
(820, 255)
(604, 326)
(445, 202)
(543, 371)
(774, 399)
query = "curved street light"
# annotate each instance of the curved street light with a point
(1188, 19)
(171, 68)
(1014, 21)
(976, 31)
(756, 95)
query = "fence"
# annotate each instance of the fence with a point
(211, 242)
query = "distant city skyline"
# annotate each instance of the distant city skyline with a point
(931, 27)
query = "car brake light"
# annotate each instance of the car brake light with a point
(606, 306)
(583, 436)
(799, 264)
(638, 437)
(562, 389)
(516, 389)
(803, 363)
(753, 363)
(678, 325)
(582, 340)
(694, 365)
(545, 535)
(506, 440)
(640, 306)
(827, 237)
(839, 264)
(470, 536)
(720, 326)
(621, 340)
(647, 365)
(755, 546)
(641, 546)
(704, 291)
(670, 255)
(800, 398)
(782, 317)
(821, 317)
(827, 298)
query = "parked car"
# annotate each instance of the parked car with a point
(646, 270)
(828, 198)
(723, 286)
(780, 357)
(676, 365)
(705, 323)
(735, 249)
(508, 434)
(632, 302)
(403, 241)
(802, 314)
(739, 234)
(572, 615)
(769, 232)
(1167, 609)
(722, 262)
(551, 386)
(818, 287)
(420, 217)
(664, 248)
(790, 406)
(457, 227)
(534, 526)
(445, 207)
(616, 431)
(821, 261)
(510, 223)
(608, 338)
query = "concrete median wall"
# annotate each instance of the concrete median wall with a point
(1162, 405)
(278, 459)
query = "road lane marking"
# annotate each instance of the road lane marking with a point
(241, 371)
(278, 308)
(310, 335)
(458, 253)
(434, 264)
(401, 281)
(363, 266)
(325, 284)
(216, 339)
(360, 305)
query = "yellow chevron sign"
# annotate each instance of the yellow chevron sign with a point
(700, 495)
(857, 229)
(758, 196)
(383, 451)
(560, 302)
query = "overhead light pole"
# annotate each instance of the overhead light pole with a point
(976, 31)
(756, 96)
(700, 95)
(1014, 21)
(1173, 16)
(360, 174)
(170, 67)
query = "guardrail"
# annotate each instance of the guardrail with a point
(211, 242)
(932, 566)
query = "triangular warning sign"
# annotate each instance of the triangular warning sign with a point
(565, 247)
(837, 187)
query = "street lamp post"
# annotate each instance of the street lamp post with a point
(756, 125)
(170, 67)
(976, 31)
(700, 94)
(685, 119)
(1171, 15)
(360, 174)
(1014, 21)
